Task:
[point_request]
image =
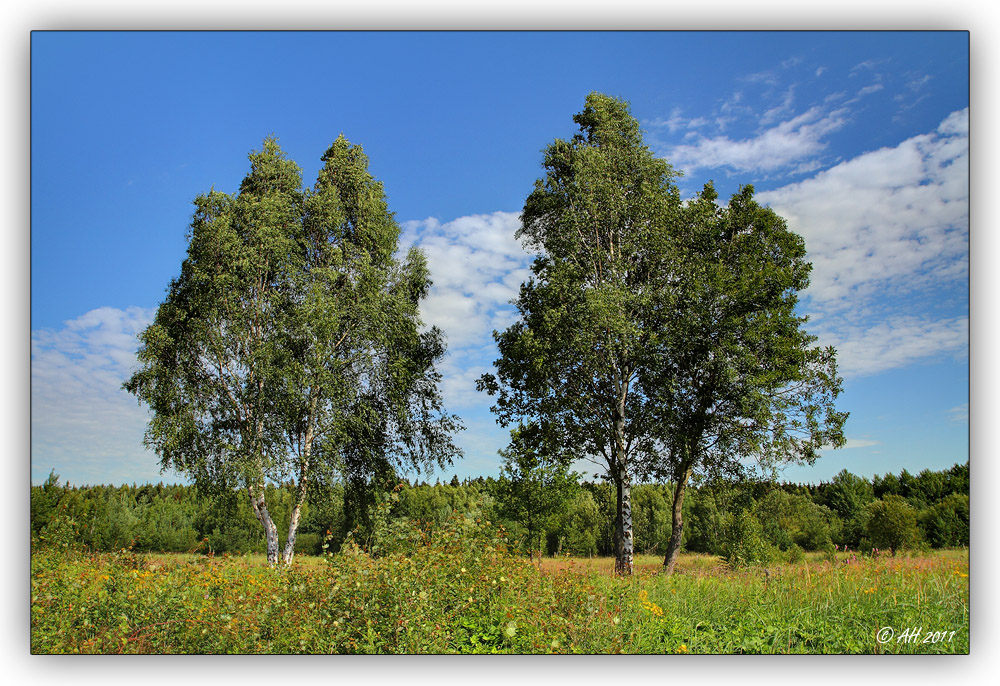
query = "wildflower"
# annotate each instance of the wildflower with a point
(683, 648)
(463, 570)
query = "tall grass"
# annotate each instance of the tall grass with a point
(458, 589)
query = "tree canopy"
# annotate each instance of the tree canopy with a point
(573, 362)
(659, 337)
(290, 346)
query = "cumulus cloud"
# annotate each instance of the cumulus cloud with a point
(872, 347)
(82, 424)
(895, 218)
(787, 143)
(884, 227)
(477, 267)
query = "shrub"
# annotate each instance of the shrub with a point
(892, 523)
(703, 523)
(795, 554)
(744, 543)
(946, 524)
(579, 525)
(789, 519)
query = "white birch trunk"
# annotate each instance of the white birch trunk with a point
(293, 522)
(624, 544)
(264, 517)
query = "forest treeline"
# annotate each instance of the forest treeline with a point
(748, 520)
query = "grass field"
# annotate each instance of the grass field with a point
(466, 594)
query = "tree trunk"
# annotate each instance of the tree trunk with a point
(293, 523)
(677, 523)
(264, 517)
(624, 542)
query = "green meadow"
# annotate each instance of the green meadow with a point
(459, 588)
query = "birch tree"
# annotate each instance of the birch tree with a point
(737, 384)
(659, 337)
(289, 348)
(572, 364)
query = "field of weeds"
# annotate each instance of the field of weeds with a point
(458, 589)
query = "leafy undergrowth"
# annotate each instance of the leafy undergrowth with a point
(457, 589)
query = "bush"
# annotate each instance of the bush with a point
(795, 554)
(579, 524)
(946, 524)
(744, 543)
(789, 519)
(892, 523)
(703, 523)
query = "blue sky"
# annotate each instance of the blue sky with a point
(859, 139)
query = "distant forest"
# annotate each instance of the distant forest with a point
(929, 509)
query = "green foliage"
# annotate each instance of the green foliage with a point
(657, 336)
(290, 346)
(848, 496)
(891, 523)
(535, 486)
(571, 363)
(744, 543)
(185, 519)
(651, 517)
(789, 520)
(794, 554)
(703, 521)
(461, 591)
(579, 526)
(946, 523)
(44, 501)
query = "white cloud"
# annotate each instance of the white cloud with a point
(959, 414)
(787, 143)
(477, 267)
(882, 229)
(868, 90)
(676, 122)
(853, 443)
(895, 218)
(860, 443)
(82, 424)
(864, 349)
(777, 112)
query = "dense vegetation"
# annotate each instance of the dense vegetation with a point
(457, 588)
(743, 522)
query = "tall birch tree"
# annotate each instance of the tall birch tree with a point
(736, 382)
(572, 363)
(659, 337)
(289, 348)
